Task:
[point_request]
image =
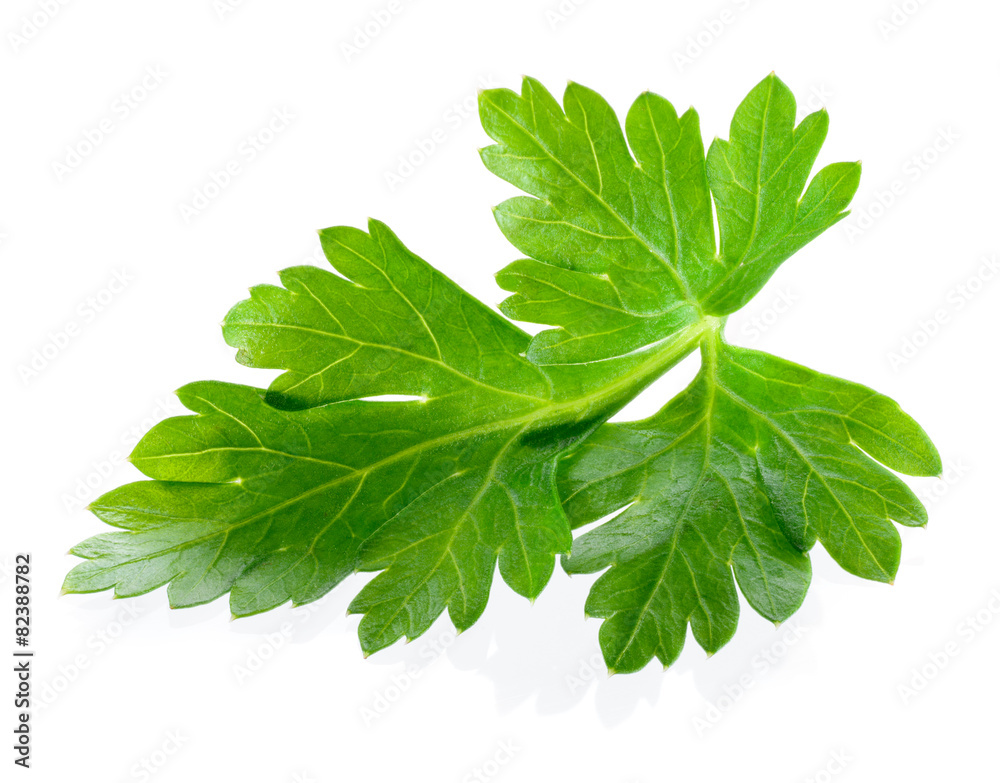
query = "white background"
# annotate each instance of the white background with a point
(120, 684)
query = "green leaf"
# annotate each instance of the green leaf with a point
(757, 178)
(619, 226)
(388, 324)
(738, 476)
(618, 246)
(279, 496)
(415, 432)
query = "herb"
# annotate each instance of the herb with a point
(500, 446)
(742, 472)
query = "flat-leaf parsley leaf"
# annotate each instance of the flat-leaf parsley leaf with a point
(499, 446)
